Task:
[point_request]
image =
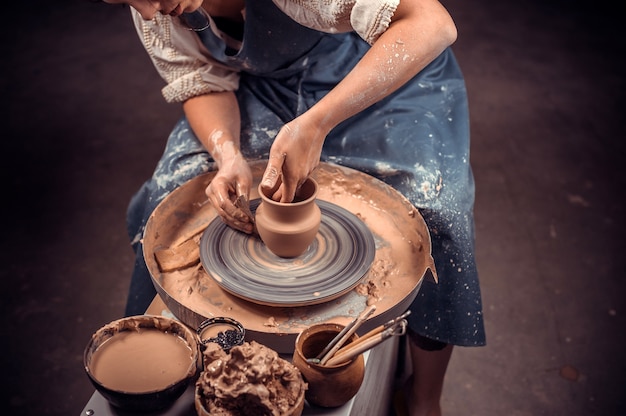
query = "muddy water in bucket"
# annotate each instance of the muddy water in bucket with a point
(142, 363)
(329, 386)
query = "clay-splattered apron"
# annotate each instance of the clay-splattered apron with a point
(416, 140)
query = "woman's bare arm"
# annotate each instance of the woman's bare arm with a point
(420, 30)
(216, 121)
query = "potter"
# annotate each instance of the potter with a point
(370, 85)
(289, 228)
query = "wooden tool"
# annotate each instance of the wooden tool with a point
(360, 346)
(380, 328)
(375, 331)
(354, 325)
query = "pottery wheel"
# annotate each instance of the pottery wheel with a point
(339, 257)
(174, 232)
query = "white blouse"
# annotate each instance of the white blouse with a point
(189, 70)
(368, 18)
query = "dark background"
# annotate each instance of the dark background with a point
(83, 124)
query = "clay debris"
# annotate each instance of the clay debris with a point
(179, 257)
(250, 380)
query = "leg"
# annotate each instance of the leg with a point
(429, 369)
(142, 290)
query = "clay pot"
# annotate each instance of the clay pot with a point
(289, 228)
(329, 386)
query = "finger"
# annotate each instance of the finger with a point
(216, 203)
(245, 227)
(220, 198)
(231, 215)
(232, 210)
(239, 215)
(239, 221)
(272, 177)
(277, 196)
(288, 191)
(244, 205)
(241, 190)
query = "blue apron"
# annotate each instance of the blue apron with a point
(416, 140)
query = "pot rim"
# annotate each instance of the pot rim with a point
(305, 201)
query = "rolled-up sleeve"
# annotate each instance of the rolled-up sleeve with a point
(368, 18)
(182, 61)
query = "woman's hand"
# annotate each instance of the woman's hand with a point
(215, 119)
(294, 155)
(227, 190)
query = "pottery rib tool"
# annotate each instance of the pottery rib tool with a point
(396, 330)
(243, 204)
(354, 325)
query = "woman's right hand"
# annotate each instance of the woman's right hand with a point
(229, 187)
(294, 155)
(215, 119)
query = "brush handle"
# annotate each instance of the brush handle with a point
(392, 323)
(372, 338)
(335, 340)
(357, 323)
(358, 349)
(361, 340)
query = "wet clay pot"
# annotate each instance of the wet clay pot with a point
(289, 228)
(329, 386)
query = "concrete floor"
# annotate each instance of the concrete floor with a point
(84, 125)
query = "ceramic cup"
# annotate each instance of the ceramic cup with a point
(329, 386)
(289, 228)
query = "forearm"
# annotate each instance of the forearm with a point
(215, 119)
(419, 32)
